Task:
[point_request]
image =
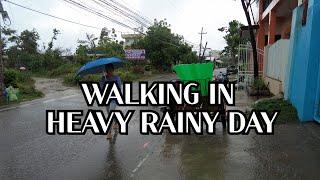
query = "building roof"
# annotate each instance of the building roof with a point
(131, 36)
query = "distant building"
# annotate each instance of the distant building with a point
(129, 39)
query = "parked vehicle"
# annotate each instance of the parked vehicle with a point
(201, 73)
(222, 77)
(232, 70)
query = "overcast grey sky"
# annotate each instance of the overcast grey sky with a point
(185, 16)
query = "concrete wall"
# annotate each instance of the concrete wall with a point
(276, 64)
(275, 86)
(303, 82)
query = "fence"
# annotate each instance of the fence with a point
(276, 60)
(245, 65)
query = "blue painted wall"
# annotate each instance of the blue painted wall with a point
(303, 84)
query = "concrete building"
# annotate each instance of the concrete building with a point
(275, 17)
(289, 33)
(273, 38)
(129, 39)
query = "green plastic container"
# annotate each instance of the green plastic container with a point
(201, 73)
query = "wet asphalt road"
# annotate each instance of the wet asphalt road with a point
(27, 152)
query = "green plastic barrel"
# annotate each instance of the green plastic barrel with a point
(201, 73)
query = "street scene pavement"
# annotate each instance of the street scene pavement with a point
(27, 152)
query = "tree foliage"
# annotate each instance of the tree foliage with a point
(23, 50)
(165, 48)
(232, 39)
(54, 37)
(27, 41)
(107, 45)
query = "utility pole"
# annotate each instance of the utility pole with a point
(201, 33)
(204, 50)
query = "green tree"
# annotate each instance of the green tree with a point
(111, 49)
(81, 54)
(27, 41)
(163, 47)
(90, 41)
(54, 37)
(8, 36)
(104, 35)
(107, 35)
(232, 39)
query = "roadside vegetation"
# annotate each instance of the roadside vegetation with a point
(24, 83)
(288, 113)
(26, 57)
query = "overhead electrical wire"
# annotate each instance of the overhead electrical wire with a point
(81, 6)
(123, 12)
(88, 10)
(101, 15)
(131, 10)
(85, 7)
(112, 12)
(46, 14)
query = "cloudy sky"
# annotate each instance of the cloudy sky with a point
(185, 16)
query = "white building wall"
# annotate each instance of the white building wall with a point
(276, 64)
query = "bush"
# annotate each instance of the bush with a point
(65, 69)
(10, 77)
(138, 69)
(14, 77)
(287, 112)
(71, 80)
(259, 84)
(23, 81)
(127, 75)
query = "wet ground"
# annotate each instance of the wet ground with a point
(26, 152)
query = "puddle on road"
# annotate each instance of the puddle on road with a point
(207, 156)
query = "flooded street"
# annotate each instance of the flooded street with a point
(27, 152)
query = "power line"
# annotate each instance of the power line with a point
(134, 17)
(145, 19)
(123, 11)
(89, 10)
(119, 11)
(111, 11)
(81, 6)
(175, 7)
(137, 11)
(66, 20)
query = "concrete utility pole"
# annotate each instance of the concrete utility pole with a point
(204, 50)
(201, 33)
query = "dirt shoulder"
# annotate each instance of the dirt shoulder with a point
(53, 87)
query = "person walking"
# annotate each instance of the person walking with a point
(109, 77)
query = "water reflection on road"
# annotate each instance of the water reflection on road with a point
(27, 152)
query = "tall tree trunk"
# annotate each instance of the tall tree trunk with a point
(252, 40)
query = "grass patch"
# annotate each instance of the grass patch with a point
(288, 113)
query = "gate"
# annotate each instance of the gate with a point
(245, 65)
